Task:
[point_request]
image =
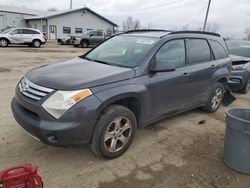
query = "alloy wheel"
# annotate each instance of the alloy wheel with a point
(117, 134)
(216, 100)
(3, 43)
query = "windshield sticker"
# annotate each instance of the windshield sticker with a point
(244, 46)
(140, 41)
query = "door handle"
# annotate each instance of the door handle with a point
(212, 66)
(185, 74)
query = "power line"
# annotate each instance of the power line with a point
(154, 7)
(197, 16)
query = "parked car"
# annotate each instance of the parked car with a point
(128, 82)
(89, 37)
(240, 76)
(27, 36)
(64, 40)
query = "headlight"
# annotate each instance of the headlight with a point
(61, 101)
(239, 67)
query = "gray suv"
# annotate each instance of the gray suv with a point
(128, 82)
(89, 37)
(27, 36)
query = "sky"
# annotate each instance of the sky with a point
(230, 17)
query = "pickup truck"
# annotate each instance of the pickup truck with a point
(89, 37)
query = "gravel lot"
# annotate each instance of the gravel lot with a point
(176, 152)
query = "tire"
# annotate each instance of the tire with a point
(117, 124)
(4, 42)
(76, 46)
(246, 87)
(36, 43)
(84, 44)
(215, 98)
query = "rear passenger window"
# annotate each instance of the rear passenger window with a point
(28, 31)
(218, 50)
(173, 52)
(199, 51)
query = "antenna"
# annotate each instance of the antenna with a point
(70, 4)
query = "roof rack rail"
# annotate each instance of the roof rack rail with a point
(145, 30)
(195, 32)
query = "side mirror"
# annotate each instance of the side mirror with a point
(164, 66)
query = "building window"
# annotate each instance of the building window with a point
(66, 30)
(78, 30)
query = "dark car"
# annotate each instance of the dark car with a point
(126, 83)
(240, 76)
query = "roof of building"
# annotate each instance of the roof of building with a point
(60, 13)
(20, 10)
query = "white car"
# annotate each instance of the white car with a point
(28, 36)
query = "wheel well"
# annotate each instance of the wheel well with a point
(5, 39)
(223, 81)
(85, 41)
(36, 39)
(132, 104)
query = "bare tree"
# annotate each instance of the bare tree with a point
(130, 24)
(247, 32)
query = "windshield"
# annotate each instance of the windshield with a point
(239, 48)
(125, 51)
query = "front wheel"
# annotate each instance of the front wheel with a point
(3, 43)
(215, 98)
(84, 44)
(114, 132)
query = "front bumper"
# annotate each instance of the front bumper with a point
(238, 79)
(74, 127)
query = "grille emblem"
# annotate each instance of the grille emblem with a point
(24, 86)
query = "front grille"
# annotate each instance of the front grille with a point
(32, 90)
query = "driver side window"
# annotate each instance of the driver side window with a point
(173, 52)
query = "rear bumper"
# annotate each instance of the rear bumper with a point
(75, 126)
(238, 79)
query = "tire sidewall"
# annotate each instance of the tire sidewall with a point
(33, 44)
(105, 122)
(84, 44)
(6, 43)
(212, 93)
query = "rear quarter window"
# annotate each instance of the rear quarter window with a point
(218, 50)
(199, 51)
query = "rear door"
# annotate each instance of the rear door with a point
(203, 66)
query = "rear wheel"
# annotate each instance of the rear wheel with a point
(246, 87)
(4, 43)
(114, 132)
(36, 43)
(215, 98)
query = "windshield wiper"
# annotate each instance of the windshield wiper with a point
(98, 61)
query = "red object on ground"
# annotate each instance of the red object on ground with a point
(21, 176)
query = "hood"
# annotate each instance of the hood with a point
(78, 73)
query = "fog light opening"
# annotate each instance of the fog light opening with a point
(52, 138)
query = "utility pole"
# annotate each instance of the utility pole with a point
(205, 23)
(70, 4)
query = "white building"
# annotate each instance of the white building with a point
(56, 24)
(14, 16)
(62, 23)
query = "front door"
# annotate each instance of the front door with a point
(170, 90)
(52, 32)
